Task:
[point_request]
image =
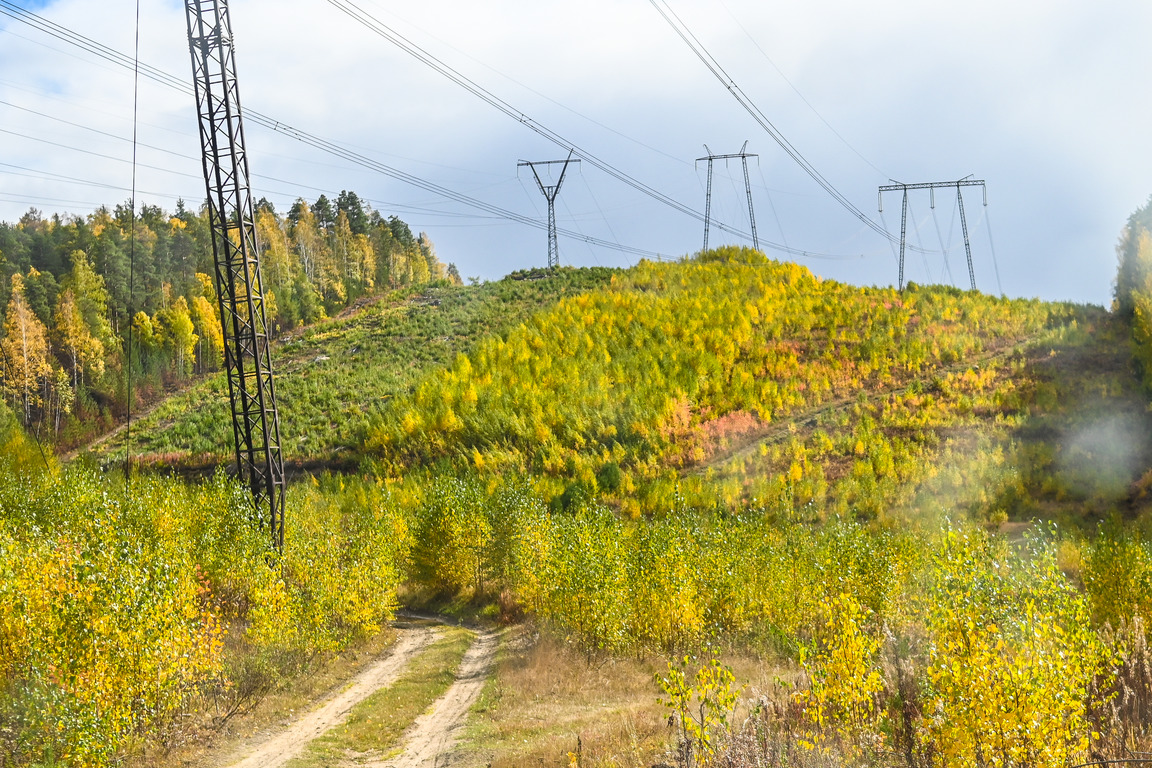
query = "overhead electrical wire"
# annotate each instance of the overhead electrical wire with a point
(596, 202)
(709, 61)
(891, 243)
(992, 245)
(713, 66)
(94, 130)
(923, 254)
(132, 247)
(104, 52)
(796, 90)
(94, 153)
(8, 197)
(576, 223)
(943, 247)
(35, 173)
(771, 204)
(407, 46)
(378, 27)
(548, 98)
(49, 176)
(429, 186)
(256, 176)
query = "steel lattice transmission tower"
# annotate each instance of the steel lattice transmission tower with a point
(743, 156)
(550, 194)
(932, 186)
(247, 357)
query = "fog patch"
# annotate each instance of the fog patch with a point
(1104, 457)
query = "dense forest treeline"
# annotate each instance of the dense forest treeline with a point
(78, 289)
(1134, 283)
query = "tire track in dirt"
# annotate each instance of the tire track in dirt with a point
(432, 737)
(289, 743)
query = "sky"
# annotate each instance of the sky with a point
(1045, 101)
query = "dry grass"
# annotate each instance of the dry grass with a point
(375, 726)
(1125, 716)
(547, 699)
(200, 745)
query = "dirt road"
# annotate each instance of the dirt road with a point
(289, 743)
(430, 740)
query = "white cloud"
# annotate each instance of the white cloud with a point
(1042, 99)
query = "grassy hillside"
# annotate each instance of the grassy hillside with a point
(623, 391)
(720, 381)
(333, 376)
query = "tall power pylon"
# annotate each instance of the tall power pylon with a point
(247, 356)
(743, 156)
(932, 186)
(550, 194)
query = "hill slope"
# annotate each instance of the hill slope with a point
(632, 389)
(330, 377)
(711, 381)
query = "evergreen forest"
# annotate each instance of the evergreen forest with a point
(93, 301)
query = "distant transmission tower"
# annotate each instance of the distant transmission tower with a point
(247, 357)
(743, 156)
(550, 193)
(932, 186)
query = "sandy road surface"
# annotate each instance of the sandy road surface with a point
(430, 740)
(287, 744)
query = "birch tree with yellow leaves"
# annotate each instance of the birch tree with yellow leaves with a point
(25, 346)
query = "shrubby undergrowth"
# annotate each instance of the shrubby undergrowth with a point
(918, 645)
(123, 608)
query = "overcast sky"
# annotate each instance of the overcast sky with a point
(1047, 101)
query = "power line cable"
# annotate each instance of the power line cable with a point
(798, 93)
(262, 190)
(771, 204)
(496, 210)
(891, 241)
(576, 223)
(596, 202)
(109, 54)
(701, 52)
(101, 51)
(992, 245)
(952, 221)
(73, 101)
(545, 96)
(923, 254)
(95, 154)
(104, 52)
(527, 194)
(735, 193)
(254, 117)
(378, 27)
(943, 248)
(23, 198)
(132, 250)
(404, 44)
(94, 130)
(37, 173)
